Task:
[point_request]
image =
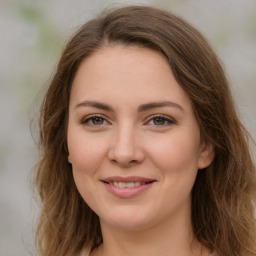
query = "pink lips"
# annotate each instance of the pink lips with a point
(127, 187)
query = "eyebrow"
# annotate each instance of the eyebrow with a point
(148, 106)
(94, 104)
(141, 108)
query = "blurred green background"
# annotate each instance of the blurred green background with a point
(33, 34)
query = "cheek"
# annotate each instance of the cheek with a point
(177, 154)
(86, 152)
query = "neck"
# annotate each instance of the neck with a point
(174, 237)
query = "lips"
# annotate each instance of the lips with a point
(127, 187)
(127, 179)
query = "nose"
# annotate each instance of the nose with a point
(126, 149)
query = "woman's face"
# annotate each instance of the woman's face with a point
(133, 139)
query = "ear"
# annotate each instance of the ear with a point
(69, 159)
(206, 155)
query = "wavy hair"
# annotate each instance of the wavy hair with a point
(223, 196)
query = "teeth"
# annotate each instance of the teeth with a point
(116, 184)
(121, 185)
(127, 184)
(130, 184)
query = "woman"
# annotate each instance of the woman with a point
(142, 149)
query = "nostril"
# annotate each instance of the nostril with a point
(114, 161)
(125, 156)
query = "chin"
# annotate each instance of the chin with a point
(129, 220)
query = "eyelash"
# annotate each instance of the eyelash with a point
(90, 118)
(167, 120)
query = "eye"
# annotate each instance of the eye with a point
(160, 120)
(95, 120)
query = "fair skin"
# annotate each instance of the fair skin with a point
(135, 149)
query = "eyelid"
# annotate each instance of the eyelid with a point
(85, 119)
(167, 118)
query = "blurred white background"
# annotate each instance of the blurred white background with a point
(33, 34)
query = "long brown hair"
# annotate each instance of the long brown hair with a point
(223, 196)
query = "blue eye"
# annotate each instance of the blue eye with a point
(161, 121)
(94, 120)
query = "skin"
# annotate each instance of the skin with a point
(161, 143)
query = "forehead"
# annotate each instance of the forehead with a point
(126, 73)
